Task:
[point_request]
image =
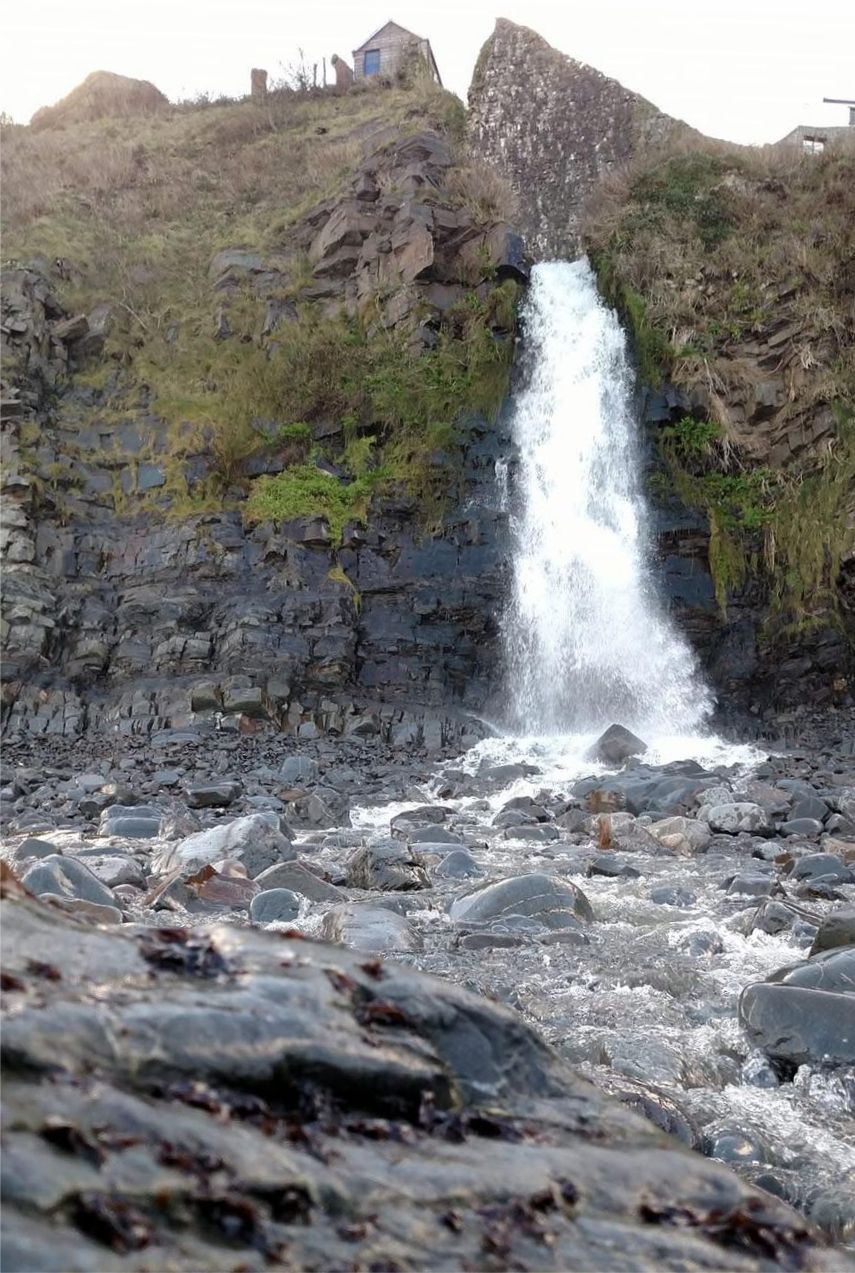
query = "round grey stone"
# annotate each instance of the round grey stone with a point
(274, 905)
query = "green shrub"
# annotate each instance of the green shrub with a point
(306, 491)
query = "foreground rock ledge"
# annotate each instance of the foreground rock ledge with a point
(229, 1099)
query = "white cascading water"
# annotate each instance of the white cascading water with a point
(586, 641)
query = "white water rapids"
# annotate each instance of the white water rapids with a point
(586, 639)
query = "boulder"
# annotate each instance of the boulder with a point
(825, 866)
(433, 835)
(297, 771)
(215, 795)
(832, 970)
(372, 929)
(203, 1040)
(685, 836)
(300, 879)
(837, 929)
(389, 865)
(457, 865)
(67, 877)
(113, 869)
(274, 906)
(737, 816)
(540, 901)
(615, 746)
(141, 822)
(255, 840)
(804, 1014)
(623, 832)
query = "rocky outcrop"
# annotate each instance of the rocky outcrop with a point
(102, 94)
(747, 664)
(124, 617)
(554, 126)
(260, 1100)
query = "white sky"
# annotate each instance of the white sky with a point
(747, 70)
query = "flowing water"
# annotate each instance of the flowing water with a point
(652, 994)
(587, 640)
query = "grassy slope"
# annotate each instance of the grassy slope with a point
(734, 270)
(138, 208)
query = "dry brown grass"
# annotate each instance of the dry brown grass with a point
(718, 248)
(484, 191)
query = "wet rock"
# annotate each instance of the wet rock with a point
(457, 865)
(659, 1107)
(255, 840)
(799, 1025)
(734, 1145)
(213, 795)
(388, 865)
(545, 901)
(775, 917)
(537, 833)
(372, 929)
(274, 905)
(130, 822)
(611, 866)
(836, 929)
(226, 1122)
(701, 944)
(751, 884)
(684, 835)
(741, 815)
(624, 832)
(833, 1210)
(825, 866)
(67, 877)
(297, 771)
(615, 746)
(116, 868)
(831, 970)
(34, 847)
(297, 877)
(431, 834)
(801, 826)
(404, 823)
(672, 895)
(647, 1060)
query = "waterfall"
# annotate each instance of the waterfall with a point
(586, 639)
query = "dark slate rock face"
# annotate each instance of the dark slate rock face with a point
(296, 1073)
(131, 623)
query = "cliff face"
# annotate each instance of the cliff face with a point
(733, 271)
(554, 127)
(253, 480)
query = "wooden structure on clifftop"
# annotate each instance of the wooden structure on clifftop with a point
(383, 52)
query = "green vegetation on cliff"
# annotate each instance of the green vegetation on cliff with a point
(225, 336)
(735, 273)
